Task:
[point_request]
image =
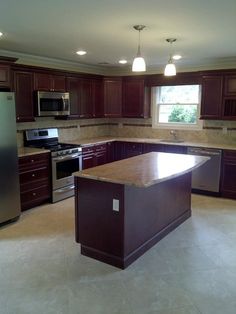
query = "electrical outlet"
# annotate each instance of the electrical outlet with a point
(116, 205)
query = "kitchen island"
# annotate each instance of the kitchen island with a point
(125, 207)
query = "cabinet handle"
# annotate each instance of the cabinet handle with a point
(33, 175)
(32, 160)
(34, 194)
(18, 118)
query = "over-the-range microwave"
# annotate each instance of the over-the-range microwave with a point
(53, 104)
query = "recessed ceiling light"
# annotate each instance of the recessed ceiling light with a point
(123, 61)
(1, 34)
(176, 57)
(81, 52)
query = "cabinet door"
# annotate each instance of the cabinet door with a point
(97, 96)
(136, 98)
(112, 97)
(86, 104)
(153, 148)
(230, 85)
(42, 82)
(228, 182)
(175, 149)
(49, 82)
(132, 149)
(58, 83)
(211, 97)
(73, 87)
(23, 86)
(110, 151)
(88, 161)
(5, 75)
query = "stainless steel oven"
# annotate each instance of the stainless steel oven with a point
(64, 163)
(66, 159)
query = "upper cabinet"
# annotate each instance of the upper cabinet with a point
(81, 97)
(98, 98)
(23, 87)
(211, 103)
(113, 97)
(49, 82)
(136, 98)
(5, 76)
(229, 98)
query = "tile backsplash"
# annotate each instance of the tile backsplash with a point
(223, 132)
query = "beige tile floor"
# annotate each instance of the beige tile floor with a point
(192, 270)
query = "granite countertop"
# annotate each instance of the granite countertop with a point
(100, 140)
(144, 170)
(27, 151)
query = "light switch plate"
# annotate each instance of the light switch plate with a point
(116, 205)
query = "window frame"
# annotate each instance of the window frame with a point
(172, 125)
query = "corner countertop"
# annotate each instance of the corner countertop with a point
(27, 151)
(101, 140)
(144, 170)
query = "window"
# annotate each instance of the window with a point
(176, 106)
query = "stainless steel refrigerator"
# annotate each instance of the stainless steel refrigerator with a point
(9, 177)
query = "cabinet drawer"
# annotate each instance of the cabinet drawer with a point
(33, 161)
(88, 150)
(34, 175)
(101, 148)
(34, 197)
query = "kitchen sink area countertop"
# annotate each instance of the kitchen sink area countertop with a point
(180, 142)
(27, 151)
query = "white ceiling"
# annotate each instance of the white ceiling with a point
(205, 31)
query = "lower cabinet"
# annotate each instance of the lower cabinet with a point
(35, 180)
(127, 149)
(94, 155)
(228, 174)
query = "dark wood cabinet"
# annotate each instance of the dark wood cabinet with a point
(73, 87)
(86, 103)
(110, 152)
(228, 174)
(175, 149)
(211, 104)
(113, 97)
(230, 85)
(23, 87)
(98, 98)
(136, 98)
(229, 99)
(35, 180)
(153, 148)
(5, 78)
(81, 102)
(94, 155)
(127, 149)
(49, 82)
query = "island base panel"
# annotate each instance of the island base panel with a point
(145, 216)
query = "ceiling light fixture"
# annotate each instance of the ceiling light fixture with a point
(1, 34)
(170, 69)
(122, 61)
(139, 64)
(81, 52)
(176, 57)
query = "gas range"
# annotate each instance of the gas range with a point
(66, 159)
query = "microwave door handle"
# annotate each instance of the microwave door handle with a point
(64, 103)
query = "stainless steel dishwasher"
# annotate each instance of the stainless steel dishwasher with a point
(207, 177)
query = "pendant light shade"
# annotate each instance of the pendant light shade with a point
(139, 64)
(170, 69)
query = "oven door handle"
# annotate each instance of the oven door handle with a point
(66, 157)
(67, 188)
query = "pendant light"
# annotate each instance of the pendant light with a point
(139, 64)
(170, 69)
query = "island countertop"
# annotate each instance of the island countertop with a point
(144, 170)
